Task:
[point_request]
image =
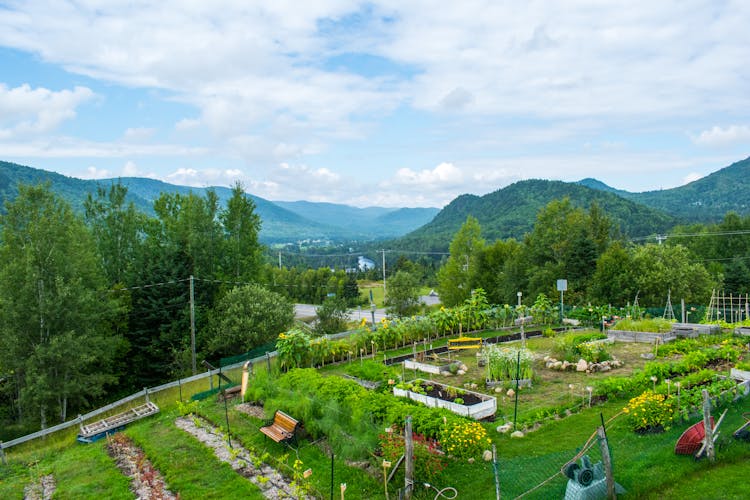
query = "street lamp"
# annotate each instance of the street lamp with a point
(519, 298)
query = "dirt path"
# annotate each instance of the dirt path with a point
(41, 490)
(272, 484)
(146, 482)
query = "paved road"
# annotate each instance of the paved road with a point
(355, 314)
(308, 311)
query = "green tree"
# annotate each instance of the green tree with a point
(403, 295)
(332, 316)
(455, 278)
(565, 243)
(613, 281)
(246, 317)
(241, 224)
(661, 269)
(118, 229)
(55, 313)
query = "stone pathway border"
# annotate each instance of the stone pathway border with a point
(40, 490)
(146, 482)
(271, 482)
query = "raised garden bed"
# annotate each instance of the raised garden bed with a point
(475, 405)
(643, 337)
(435, 369)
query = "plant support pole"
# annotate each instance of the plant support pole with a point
(409, 459)
(518, 376)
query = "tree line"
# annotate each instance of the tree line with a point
(600, 266)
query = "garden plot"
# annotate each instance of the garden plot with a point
(271, 482)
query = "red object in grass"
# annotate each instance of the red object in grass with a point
(692, 439)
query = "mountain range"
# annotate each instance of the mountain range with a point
(282, 221)
(507, 212)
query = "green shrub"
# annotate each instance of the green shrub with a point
(653, 325)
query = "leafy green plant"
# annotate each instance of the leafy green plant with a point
(502, 363)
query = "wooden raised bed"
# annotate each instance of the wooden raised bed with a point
(486, 407)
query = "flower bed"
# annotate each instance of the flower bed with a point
(460, 401)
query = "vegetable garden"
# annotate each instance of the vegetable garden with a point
(343, 392)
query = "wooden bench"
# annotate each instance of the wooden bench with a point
(282, 428)
(464, 343)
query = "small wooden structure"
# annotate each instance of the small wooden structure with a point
(282, 428)
(110, 425)
(465, 343)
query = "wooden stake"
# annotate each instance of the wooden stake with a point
(607, 462)
(709, 443)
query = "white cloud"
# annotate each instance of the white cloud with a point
(717, 136)
(443, 174)
(130, 169)
(93, 172)
(32, 111)
(138, 134)
(187, 124)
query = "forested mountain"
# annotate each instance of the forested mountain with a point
(361, 222)
(511, 212)
(706, 200)
(281, 222)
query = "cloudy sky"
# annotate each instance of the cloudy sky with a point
(386, 103)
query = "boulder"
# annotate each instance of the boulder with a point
(582, 365)
(487, 455)
(517, 434)
(502, 429)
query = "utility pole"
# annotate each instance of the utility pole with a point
(383, 276)
(192, 322)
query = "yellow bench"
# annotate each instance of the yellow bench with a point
(464, 343)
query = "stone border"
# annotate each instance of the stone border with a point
(271, 483)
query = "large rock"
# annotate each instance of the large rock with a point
(582, 365)
(517, 434)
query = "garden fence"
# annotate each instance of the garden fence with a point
(124, 401)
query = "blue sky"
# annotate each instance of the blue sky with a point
(385, 103)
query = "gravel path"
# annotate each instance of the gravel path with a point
(272, 484)
(41, 490)
(145, 481)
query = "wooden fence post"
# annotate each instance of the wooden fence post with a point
(709, 431)
(607, 462)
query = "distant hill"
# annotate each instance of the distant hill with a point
(706, 200)
(388, 222)
(511, 212)
(326, 221)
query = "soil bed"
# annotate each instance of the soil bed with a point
(440, 392)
